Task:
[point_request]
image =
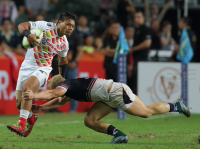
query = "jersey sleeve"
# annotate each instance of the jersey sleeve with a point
(63, 85)
(38, 25)
(64, 52)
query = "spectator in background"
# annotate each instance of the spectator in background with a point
(19, 3)
(129, 31)
(155, 34)
(11, 41)
(105, 6)
(185, 22)
(98, 44)
(35, 7)
(124, 9)
(8, 9)
(88, 46)
(105, 11)
(74, 56)
(168, 43)
(142, 43)
(109, 48)
(22, 17)
(82, 28)
(39, 18)
(152, 11)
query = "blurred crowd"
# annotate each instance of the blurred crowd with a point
(97, 29)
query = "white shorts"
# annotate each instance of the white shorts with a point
(25, 73)
(119, 96)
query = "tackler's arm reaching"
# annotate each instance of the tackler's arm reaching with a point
(45, 95)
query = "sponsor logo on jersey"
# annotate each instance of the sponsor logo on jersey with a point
(44, 41)
(49, 24)
(33, 24)
(62, 45)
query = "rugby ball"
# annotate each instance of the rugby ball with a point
(37, 32)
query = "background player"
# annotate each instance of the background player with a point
(108, 95)
(36, 67)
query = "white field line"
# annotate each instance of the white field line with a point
(108, 120)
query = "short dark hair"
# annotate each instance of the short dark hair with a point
(187, 20)
(153, 20)
(67, 15)
(140, 11)
(165, 23)
(114, 21)
(6, 19)
(128, 26)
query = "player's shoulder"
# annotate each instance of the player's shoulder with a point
(65, 39)
(43, 23)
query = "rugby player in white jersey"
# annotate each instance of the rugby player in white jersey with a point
(36, 66)
(107, 95)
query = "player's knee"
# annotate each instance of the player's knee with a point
(25, 88)
(88, 121)
(148, 113)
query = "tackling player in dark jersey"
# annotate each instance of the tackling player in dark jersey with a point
(107, 95)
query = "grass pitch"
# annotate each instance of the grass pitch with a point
(61, 131)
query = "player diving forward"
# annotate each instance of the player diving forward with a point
(107, 95)
(36, 67)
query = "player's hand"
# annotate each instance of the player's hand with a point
(36, 108)
(28, 95)
(32, 39)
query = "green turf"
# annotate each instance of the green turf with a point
(60, 131)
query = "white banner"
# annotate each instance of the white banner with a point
(161, 82)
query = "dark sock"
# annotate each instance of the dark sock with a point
(172, 107)
(114, 132)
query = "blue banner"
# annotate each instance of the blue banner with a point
(121, 44)
(185, 55)
(185, 52)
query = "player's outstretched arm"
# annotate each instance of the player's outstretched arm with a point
(45, 95)
(55, 103)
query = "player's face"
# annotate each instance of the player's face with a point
(66, 27)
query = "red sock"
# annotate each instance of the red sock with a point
(31, 120)
(23, 122)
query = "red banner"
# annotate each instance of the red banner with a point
(89, 66)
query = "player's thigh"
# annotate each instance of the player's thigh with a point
(98, 111)
(32, 83)
(138, 108)
(36, 80)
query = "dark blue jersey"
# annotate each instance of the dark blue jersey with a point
(78, 89)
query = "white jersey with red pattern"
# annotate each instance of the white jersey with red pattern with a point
(40, 57)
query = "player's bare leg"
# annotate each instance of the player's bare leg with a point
(25, 113)
(97, 112)
(138, 108)
(18, 99)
